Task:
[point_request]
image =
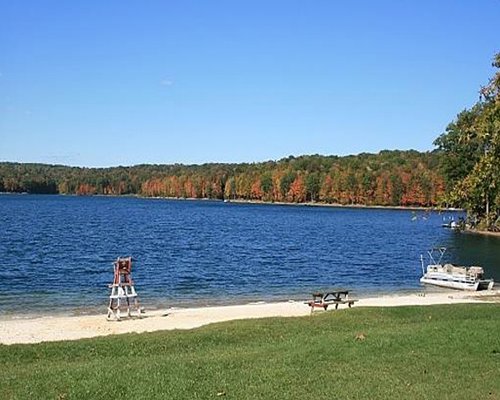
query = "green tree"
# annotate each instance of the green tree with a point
(313, 182)
(397, 189)
(471, 155)
(460, 146)
(286, 182)
(266, 183)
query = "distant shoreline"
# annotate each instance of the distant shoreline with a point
(338, 205)
(312, 204)
(257, 202)
(480, 232)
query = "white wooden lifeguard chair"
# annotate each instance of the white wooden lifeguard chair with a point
(122, 290)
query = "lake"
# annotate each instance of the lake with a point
(56, 252)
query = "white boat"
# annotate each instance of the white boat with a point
(451, 224)
(453, 276)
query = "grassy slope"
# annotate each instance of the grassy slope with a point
(441, 352)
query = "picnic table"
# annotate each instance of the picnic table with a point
(334, 297)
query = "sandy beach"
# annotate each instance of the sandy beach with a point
(56, 328)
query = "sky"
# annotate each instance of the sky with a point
(106, 83)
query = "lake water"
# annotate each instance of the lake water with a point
(56, 252)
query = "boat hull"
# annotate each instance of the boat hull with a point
(457, 283)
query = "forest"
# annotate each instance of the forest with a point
(389, 178)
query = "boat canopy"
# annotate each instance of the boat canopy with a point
(436, 252)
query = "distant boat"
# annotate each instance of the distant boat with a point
(453, 276)
(452, 225)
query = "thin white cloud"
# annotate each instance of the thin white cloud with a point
(166, 82)
(66, 159)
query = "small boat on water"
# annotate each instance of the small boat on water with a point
(453, 276)
(452, 225)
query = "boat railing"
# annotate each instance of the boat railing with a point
(469, 273)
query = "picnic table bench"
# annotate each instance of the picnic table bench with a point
(334, 297)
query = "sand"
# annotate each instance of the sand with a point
(56, 328)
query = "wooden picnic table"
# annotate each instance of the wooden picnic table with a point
(325, 299)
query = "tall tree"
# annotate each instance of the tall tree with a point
(313, 182)
(471, 156)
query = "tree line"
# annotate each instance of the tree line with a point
(389, 178)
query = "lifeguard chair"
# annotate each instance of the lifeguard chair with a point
(122, 289)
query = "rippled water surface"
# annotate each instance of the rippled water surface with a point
(56, 252)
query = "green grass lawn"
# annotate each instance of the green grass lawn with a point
(436, 352)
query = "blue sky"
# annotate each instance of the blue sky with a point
(104, 83)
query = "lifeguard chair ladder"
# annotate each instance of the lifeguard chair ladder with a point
(122, 290)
